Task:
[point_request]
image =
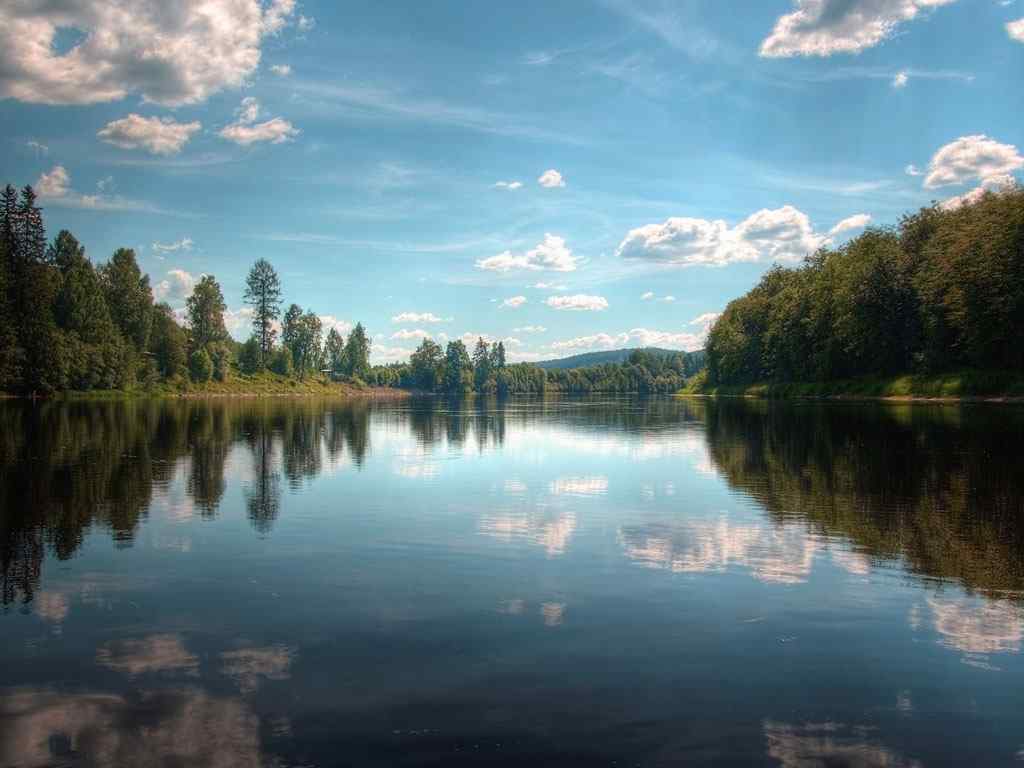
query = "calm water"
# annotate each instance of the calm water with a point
(592, 582)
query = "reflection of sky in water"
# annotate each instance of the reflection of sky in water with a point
(400, 575)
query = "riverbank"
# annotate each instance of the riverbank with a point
(265, 384)
(960, 386)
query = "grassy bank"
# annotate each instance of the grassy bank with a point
(960, 385)
(265, 384)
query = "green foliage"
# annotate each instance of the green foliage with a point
(303, 334)
(220, 356)
(426, 367)
(250, 356)
(334, 351)
(357, 352)
(200, 366)
(942, 291)
(169, 343)
(458, 369)
(263, 294)
(127, 290)
(205, 309)
(281, 361)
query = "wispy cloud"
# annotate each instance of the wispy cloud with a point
(376, 102)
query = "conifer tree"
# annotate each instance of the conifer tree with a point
(263, 294)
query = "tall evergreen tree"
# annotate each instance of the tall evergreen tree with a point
(335, 352)
(481, 364)
(458, 368)
(129, 297)
(263, 294)
(205, 311)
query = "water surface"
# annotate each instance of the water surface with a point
(569, 581)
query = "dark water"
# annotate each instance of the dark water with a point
(569, 582)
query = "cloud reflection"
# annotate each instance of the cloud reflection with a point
(812, 745)
(779, 554)
(156, 653)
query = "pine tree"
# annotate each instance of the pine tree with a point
(205, 308)
(263, 294)
(357, 352)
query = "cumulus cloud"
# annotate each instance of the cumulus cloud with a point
(636, 337)
(969, 158)
(706, 320)
(415, 333)
(508, 185)
(169, 57)
(579, 302)
(544, 286)
(245, 130)
(827, 27)
(54, 184)
(858, 221)
(551, 179)
(994, 184)
(514, 302)
(417, 317)
(158, 136)
(327, 322)
(184, 244)
(1015, 29)
(552, 255)
(782, 234)
(901, 80)
(530, 329)
(176, 287)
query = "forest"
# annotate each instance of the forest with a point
(942, 291)
(69, 324)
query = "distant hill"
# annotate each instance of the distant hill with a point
(611, 356)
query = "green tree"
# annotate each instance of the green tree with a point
(250, 356)
(426, 366)
(129, 297)
(200, 365)
(357, 352)
(281, 361)
(458, 368)
(205, 312)
(263, 294)
(334, 349)
(169, 342)
(481, 365)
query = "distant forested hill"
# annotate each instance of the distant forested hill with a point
(588, 359)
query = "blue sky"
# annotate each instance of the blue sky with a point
(567, 176)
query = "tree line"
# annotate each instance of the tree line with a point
(66, 323)
(941, 291)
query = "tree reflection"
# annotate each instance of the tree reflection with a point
(67, 468)
(937, 487)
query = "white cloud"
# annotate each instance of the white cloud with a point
(305, 23)
(857, 221)
(508, 185)
(635, 337)
(405, 334)
(579, 302)
(530, 329)
(158, 136)
(647, 296)
(827, 27)
(238, 322)
(900, 80)
(281, 70)
(341, 326)
(667, 299)
(185, 244)
(551, 179)
(381, 353)
(245, 130)
(40, 149)
(543, 286)
(169, 56)
(552, 255)
(995, 184)
(55, 189)
(514, 302)
(781, 234)
(417, 317)
(913, 170)
(706, 320)
(1015, 29)
(969, 158)
(176, 287)
(54, 184)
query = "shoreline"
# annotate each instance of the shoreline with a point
(853, 398)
